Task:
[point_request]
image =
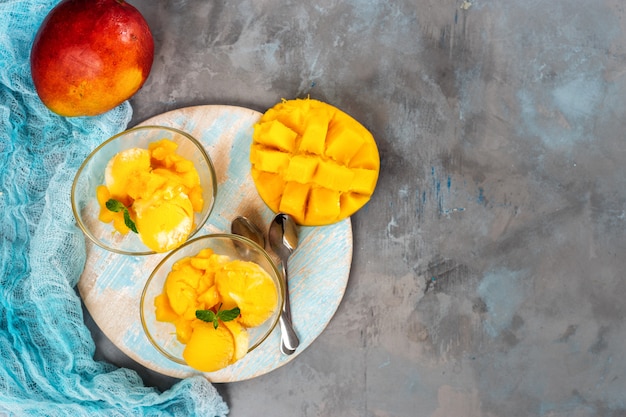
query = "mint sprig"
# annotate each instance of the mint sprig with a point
(212, 317)
(116, 206)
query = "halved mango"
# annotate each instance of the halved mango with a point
(306, 153)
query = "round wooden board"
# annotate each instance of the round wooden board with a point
(111, 284)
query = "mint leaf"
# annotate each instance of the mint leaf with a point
(205, 315)
(128, 221)
(211, 317)
(208, 316)
(228, 315)
(116, 206)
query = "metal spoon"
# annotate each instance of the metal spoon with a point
(243, 227)
(283, 239)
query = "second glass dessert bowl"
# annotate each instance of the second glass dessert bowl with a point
(214, 272)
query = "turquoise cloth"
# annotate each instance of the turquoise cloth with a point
(46, 351)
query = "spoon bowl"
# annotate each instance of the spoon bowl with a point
(242, 226)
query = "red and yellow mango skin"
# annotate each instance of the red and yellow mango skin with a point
(89, 56)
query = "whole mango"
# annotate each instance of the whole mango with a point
(89, 56)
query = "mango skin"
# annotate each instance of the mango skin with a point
(89, 56)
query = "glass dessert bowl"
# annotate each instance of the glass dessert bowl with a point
(211, 301)
(145, 190)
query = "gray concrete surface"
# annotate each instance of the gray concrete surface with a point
(488, 274)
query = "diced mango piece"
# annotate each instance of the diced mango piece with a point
(190, 179)
(343, 140)
(333, 176)
(301, 168)
(184, 329)
(269, 186)
(183, 165)
(313, 139)
(294, 200)
(282, 137)
(205, 253)
(196, 198)
(163, 310)
(144, 184)
(200, 262)
(103, 195)
(363, 180)
(209, 298)
(269, 160)
(206, 282)
(367, 158)
(324, 205)
(162, 148)
(351, 202)
(119, 223)
(293, 118)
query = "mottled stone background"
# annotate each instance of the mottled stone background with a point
(488, 274)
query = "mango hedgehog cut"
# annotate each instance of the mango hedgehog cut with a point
(313, 161)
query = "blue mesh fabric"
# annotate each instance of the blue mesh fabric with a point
(46, 351)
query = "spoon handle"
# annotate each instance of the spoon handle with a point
(288, 337)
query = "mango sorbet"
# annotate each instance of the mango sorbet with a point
(160, 191)
(208, 281)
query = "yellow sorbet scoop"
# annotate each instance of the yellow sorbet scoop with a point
(164, 221)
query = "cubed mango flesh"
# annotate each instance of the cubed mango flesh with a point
(313, 161)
